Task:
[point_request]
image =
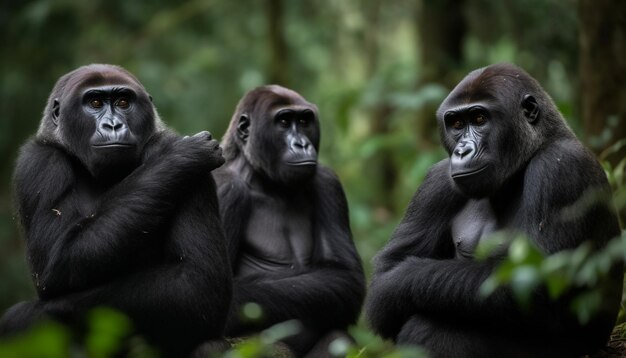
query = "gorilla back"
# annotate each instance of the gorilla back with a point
(514, 166)
(118, 211)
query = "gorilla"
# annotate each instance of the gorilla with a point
(515, 167)
(119, 211)
(286, 222)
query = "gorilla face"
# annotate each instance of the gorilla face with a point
(472, 164)
(488, 126)
(104, 117)
(296, 157)
(278, 131)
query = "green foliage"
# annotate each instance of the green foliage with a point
(266, 343)
(525, 269)
(366, 345)
(369, 345)
(616, 176)
(521, 270)
(47, 340)
(108, 332)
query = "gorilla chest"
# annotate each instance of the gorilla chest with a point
(279, 235)
(473, 223)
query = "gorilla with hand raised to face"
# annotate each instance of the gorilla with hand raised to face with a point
(514, 166)
(119, 211)
(286, 221)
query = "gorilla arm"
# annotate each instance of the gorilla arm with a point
(186, 296)
(328, 294)
(416, 273)
(77, 238)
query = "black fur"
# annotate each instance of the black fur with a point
(318, 280)
(423, 292)
(135, 228)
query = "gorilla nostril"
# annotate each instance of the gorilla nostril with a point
(300, 144)
(111, 127)
(462, 151)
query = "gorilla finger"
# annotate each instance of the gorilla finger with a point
(204, 135)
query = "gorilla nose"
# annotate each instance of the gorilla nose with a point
(463, 149)
(300, 143)
(112, 126)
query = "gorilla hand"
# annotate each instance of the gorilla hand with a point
(205, 148)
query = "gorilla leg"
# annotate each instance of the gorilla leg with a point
(20, 317)
(442, 339)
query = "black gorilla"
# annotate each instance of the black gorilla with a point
(119, 211)
(514, 166)
(286, 220)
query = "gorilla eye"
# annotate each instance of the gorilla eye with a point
(480, 119)
(306, 118)
(122, 103)
(458, 124)
(283, 120)
(95, 103)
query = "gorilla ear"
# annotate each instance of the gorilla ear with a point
(243, 127)
(56, 109)
(531, 108)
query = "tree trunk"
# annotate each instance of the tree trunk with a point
(278, 70)
(603, 82)
(603, 72)
(441, 28)
(383, 168)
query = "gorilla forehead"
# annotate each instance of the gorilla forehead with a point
(271, 98)
(95, 75)
(499, 84)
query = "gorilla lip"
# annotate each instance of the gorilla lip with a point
(469, 173)
(302, 163)
(112, 145)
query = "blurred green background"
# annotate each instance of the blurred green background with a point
(376, 69)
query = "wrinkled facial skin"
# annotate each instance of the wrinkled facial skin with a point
(109, 108)
(471, 162)
(298, 159)
(113, 143)
(104, 119)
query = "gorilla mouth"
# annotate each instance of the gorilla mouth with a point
(469, 173)
(302, 163)
(113, 145)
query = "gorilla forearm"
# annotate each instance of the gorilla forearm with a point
(438, 287)
(322, 298)
(448, 291)
(103, 241)
(161, 297)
